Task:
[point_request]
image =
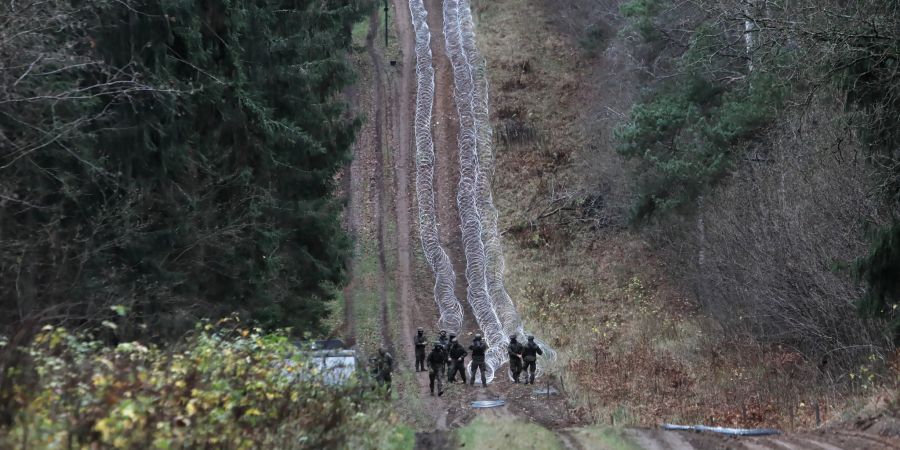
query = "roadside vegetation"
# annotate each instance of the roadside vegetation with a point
(223, 385)
(694, 227)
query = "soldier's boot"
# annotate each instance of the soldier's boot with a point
(532, 378)
(472, 377)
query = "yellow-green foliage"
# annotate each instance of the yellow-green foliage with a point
(219, 388)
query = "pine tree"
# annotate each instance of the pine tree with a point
(205, 186)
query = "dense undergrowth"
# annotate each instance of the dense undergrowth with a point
(637, 343)
(224, 386)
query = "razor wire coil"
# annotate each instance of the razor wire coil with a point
(491, 304)
(449, 307)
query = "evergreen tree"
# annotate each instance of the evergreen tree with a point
(203, 186)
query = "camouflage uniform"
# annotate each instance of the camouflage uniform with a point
(457, 361)
(529, 354)
(419, 341)
(442, 339)
(478, 348)
(515, 358)
(449, 359)
(437, 360)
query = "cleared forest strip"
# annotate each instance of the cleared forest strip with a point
(451, 312)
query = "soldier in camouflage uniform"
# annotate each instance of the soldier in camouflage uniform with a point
(515, 357)
(478, 348)
(384, 365)
(419, 341)
(457, 361)
(450, 360)
(529, 354)
(437, 360)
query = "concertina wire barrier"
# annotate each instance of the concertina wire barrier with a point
(494, 263)
(493, 308)
(450, 310)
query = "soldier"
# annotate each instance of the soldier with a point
(529, 354)
(515, 357)
(385, 365)
(450, 360)
(442, 338)
(419, 340)
(373, 368)
(457, 361)
(437, 359)
(478, 348)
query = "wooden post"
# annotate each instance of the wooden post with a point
(385, 24)
(818, 415)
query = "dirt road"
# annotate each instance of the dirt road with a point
(452, 409)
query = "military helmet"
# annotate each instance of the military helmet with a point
(530, 338)
(437, 344)
(443, 332)
(512, 337)
(382, 350)
(477, 336)
(420, 330)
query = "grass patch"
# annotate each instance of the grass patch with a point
(604, 438)
(367, 299)
(401, 438)
(360, 31)
(506, 432)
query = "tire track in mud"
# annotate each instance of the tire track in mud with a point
(401, 113)
(378, 177)
(351, 188)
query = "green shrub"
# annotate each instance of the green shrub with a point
(684, 136)
(218, 388)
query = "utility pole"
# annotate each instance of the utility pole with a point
(385, 24)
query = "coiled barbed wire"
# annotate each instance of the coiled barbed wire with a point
(484, 256)
(494, 310)
(449, 307)
(494, 264)
(494, 261)
(467, 193)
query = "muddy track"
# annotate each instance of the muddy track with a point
(378, 178)
(401, 112)
(348, 330)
